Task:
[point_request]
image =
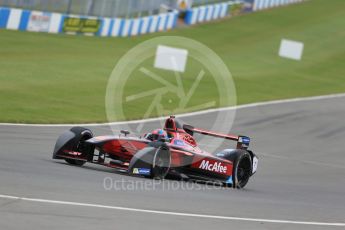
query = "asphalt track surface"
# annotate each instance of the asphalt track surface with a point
(301, 177)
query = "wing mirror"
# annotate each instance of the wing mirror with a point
(125, 132)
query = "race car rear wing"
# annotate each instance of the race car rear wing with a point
(242, 141)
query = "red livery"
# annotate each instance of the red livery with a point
(168, 152)
(212, 165)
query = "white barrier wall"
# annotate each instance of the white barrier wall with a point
(206, 13)
(264, 4)
(216, 11)
(26, 20)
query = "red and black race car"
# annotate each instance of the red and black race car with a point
(171, 151)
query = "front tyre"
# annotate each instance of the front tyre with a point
(81, 135)
(161, 162)
(75, 162)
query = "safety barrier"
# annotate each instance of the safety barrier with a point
(221, 10)
(264, 4)
(206, 13)
(26, 20)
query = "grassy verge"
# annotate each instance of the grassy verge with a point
(60, 79)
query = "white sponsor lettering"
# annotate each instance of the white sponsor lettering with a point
(216, 167)
(255, 164)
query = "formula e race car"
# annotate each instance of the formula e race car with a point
(171, 151)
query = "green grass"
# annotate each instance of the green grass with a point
(61, 79)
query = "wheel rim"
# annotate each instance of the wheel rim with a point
(81, 145)
(243, 172)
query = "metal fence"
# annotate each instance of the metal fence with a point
(104, 8)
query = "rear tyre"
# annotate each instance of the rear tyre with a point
(242, 169)
(82, 134)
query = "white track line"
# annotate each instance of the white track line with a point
(171, 213)
(294, 100)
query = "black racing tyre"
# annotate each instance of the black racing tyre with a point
(242, 169)
(82, 134)
(75, 162)
(161, 162)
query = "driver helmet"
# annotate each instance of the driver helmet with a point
(158, 134)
